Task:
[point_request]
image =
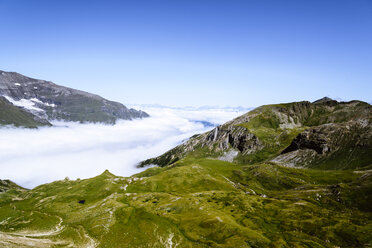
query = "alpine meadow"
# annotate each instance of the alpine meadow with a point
(226, 124)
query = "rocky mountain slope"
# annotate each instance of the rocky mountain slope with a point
(324, 134)
(7, 185)
(49, 101)
(12, 115)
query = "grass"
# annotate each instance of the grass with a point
(202, 203)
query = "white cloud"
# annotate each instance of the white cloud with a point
(32, 157)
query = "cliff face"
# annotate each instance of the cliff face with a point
(50, 101)
(326, 134)
(331, 146)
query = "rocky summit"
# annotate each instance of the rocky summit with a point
(49, 101)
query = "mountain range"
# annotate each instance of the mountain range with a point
(283, 175)
(45, 101)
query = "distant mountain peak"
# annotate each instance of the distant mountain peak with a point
(324, 99)
(50, 101)
(107, 173)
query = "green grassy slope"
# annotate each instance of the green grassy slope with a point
(196, 203)
(12, 115)
(340, 134)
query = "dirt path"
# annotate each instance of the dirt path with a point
(59, 227)
(10, 241)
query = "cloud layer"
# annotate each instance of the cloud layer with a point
(33, 157)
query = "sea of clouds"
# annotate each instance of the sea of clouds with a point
(31, 157)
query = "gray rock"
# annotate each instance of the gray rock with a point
(62, 103)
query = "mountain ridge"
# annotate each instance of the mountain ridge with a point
(49, 101)
(263, 133)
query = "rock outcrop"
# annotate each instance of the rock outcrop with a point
(337, 146)
(6, 185)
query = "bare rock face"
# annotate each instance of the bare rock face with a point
(313, 139)
(50, 101)
(225, 137)
(346, 145)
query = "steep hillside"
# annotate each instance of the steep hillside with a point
(12, 115)
(195, 203)
(50, 101)
(324, 134)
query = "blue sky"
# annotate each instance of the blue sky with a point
(193, 53)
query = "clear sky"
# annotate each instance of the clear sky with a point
(193, 53)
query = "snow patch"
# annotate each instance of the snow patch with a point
(24, 103)
(44, 103)
(17, 84)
